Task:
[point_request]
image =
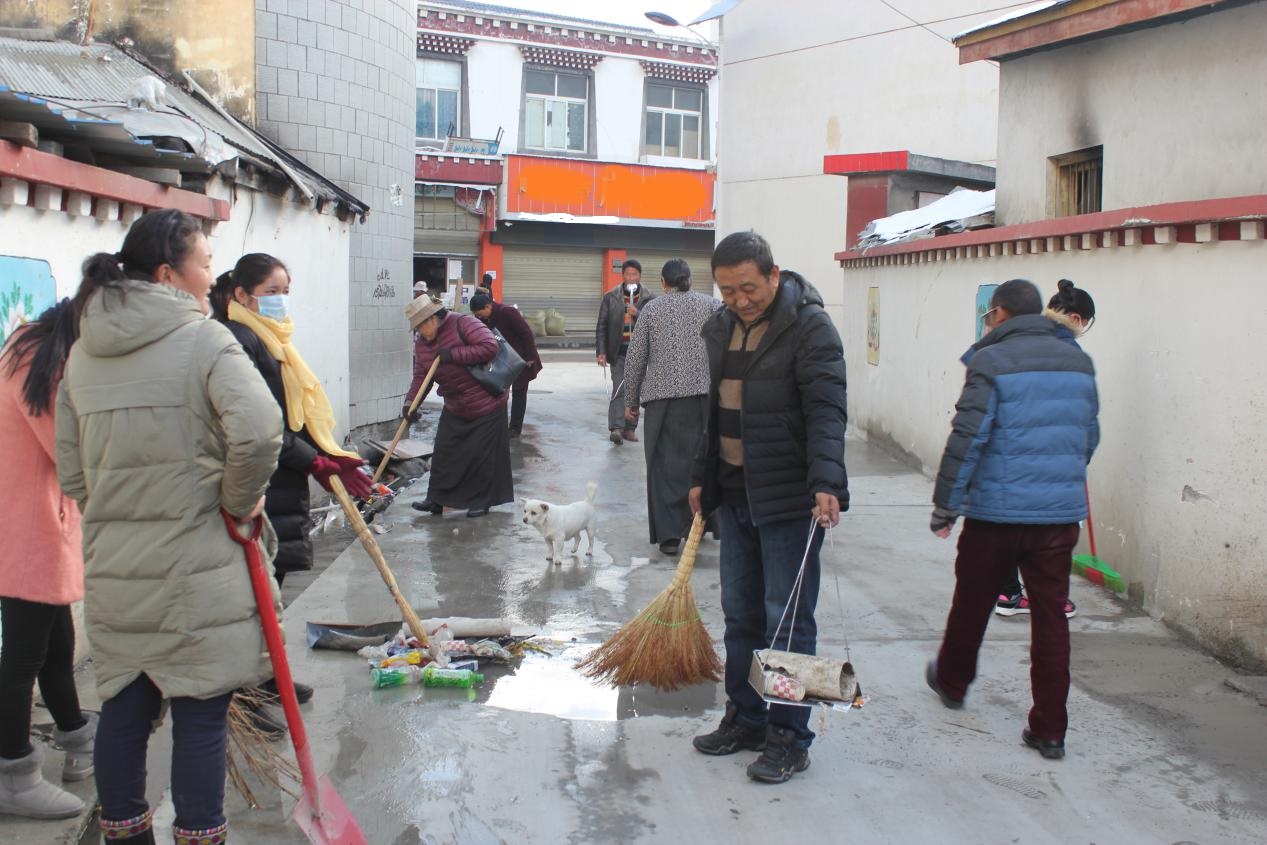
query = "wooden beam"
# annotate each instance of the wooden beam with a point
(23, 134)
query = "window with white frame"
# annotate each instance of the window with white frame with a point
(556, 110)
(439, 92)
(675, 121)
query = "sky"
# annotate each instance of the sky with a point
(628, 12)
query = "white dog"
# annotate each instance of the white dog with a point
(560, 523)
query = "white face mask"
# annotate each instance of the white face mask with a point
(274, 306)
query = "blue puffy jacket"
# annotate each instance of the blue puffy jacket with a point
(1024, 430)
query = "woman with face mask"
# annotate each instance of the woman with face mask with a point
(162, 422)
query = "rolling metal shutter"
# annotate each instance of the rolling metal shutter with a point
(568, 279)
(653, 262)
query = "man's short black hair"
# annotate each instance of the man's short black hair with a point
(487, 280)
(480, 301)
(1018, 297)
(631, 262)
(739, 247)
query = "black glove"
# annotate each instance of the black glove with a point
(942, 519)
(413, 418)
(445, 356)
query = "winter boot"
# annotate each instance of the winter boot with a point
(781, 759)
(730, 736)
(78, 747)
(24, 792)
(209, 836)
(135, 831)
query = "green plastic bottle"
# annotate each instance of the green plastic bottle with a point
(464, 678)
(395, 676)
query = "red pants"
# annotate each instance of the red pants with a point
(987, 551)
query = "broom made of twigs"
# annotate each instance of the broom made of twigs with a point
(252, 754)
(666, 645)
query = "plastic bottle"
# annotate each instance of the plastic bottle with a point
(465, 678)
(396, 676)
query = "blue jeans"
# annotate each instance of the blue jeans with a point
(758, 571)
(199, 745)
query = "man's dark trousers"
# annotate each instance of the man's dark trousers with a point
(987, 552)
(758, 572)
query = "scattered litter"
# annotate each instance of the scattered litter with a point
(428, 676)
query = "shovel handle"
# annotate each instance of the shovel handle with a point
(376, 555)
(404, 424)
(1090, 522)
(261, 586)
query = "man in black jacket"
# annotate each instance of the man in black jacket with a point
(507, 320)
(617, 316)
(772, 464)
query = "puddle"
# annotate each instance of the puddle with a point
(552, 686)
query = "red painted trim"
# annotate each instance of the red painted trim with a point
(866, 162)
(45, 169)
(1046, 32)
(491, 259)
(1145, 218)
(612, 259)
(447, 168)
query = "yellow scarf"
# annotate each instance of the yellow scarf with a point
(306, 401)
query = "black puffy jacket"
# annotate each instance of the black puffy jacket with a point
(793, 412)
(286, 500)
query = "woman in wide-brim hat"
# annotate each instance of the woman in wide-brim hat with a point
(470, 468)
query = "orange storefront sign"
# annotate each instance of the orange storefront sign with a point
(601, 189)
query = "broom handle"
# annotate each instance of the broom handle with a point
(404, 424)
(687, 563)
(1090, 523)
(376, 555)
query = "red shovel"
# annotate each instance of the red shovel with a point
(321, 813)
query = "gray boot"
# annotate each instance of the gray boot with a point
(24, 792)
(78, 747)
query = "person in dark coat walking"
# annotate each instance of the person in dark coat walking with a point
(617, 316)
(507, 320)
(772, 466)
(1015, 467)
(470, 467)
(252, 301)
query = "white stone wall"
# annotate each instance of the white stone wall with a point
(809, 79)
(1177, 483)
(335, 86)
(1179, 109)
(313, 246)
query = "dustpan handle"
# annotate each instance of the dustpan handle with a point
(687, 562)
(794, 594)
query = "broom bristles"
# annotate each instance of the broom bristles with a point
(259, 759)
(667, 645)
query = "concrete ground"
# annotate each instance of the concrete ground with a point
(1161, 749)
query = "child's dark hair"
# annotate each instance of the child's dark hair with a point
(44, 344)
(1072, 300)
(249, 273)
(676, 274)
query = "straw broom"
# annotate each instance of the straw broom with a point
(666, 645)
(252, 756)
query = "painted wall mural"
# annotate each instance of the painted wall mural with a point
(26, 290)
(984, 294)
(873, 326)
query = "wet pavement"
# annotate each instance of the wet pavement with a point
(1161, 749)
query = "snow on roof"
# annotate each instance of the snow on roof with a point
(959, 210)
(1013, 15)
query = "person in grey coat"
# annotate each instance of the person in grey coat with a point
(666, 372)
(617, 316)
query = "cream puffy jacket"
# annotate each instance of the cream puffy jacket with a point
(161, 421)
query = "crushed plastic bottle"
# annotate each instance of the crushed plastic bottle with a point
(465, 678)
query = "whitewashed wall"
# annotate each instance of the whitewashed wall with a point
(315, 248)
(805, 80)
(1177, 484)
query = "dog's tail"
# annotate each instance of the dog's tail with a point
(590, 490)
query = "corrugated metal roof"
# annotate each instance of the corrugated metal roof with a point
(79, 95)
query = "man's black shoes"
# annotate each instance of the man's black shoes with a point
(1052, 749)
(930, 675)
(730, 737)
(781, 758)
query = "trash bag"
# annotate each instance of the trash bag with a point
(556, 324)
(538, 323)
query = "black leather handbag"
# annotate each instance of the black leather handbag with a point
(496, 376)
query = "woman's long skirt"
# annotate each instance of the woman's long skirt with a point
(671, 434)
(471, 464)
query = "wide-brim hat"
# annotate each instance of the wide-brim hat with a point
(418, 310)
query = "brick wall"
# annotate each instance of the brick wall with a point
(335, 86)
